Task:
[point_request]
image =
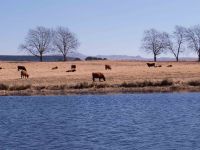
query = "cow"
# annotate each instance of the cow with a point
(71, 70)
(98, 75)
(24, 74)
(73, 67)
(54, 68)
(108, 67)
(21, 68)
(151, 64)
(158, 66)
(169, 66)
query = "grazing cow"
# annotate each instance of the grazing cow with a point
(151, 64)
(169, 66)
(71, 70)
(54, 68)
(108, 67)
(158, 65)
(21, 68)
(24, 74)
(73, 67)
(98, 75)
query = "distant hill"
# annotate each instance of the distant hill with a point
(139, 58)
(76, 56)
(121, 57)
(32, 58)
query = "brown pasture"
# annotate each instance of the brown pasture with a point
(122, 71)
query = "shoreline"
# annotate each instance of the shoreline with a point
(99, 91)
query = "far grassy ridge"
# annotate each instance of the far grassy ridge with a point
(164, 85)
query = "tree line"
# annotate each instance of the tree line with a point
(157, 42)
(42, 40)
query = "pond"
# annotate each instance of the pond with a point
(101, 122)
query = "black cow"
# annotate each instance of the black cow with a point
(151, 64)
(71, 70)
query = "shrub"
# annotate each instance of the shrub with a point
(19, 87)
(98, 86)
(82, 85)
(94, 58)
(4, 87)
(76, 59)
(164, 82)
(56, 87)
(39, 87)
(194, 83)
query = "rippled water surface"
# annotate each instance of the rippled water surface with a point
(110, 122)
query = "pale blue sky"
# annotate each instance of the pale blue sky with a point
(102, 26)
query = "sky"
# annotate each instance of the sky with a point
(105, 27)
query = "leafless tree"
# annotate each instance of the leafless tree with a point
(65, 41)
(155, 42)
(176, 41)
(38, 41)
(193, 39)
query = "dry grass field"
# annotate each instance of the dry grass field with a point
(41, 73)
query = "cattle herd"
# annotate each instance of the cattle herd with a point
(95, 75)
(154, 65)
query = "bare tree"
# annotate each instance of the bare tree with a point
(65, 41)
(155, 42)
(176, 41)
(193, 39)
(37, 41)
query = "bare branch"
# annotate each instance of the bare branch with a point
(38, 41)
(176, 41)
(65, 41)
(193, 39)
(155, 42)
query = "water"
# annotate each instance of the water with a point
(110, 122)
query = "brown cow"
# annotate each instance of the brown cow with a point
(24, 74)
(98, 75)
(71, 70)
(158, 66)
(56, 67)
(108, 67)
(21, 68)
(73, 67)
(169, 66)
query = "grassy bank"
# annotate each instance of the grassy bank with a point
(165, 85)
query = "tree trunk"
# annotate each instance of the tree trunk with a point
(155, 58)
(177, 59)
(199, 55)
(64, 58)
(41, 58)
